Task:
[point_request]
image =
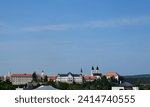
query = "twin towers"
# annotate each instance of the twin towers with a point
(94, 72)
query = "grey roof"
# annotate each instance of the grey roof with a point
(97, 74)
(126, 84)
(64, 75)
(46, 88)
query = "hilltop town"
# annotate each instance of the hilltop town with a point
(97, 80)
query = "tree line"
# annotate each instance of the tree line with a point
(6, 85)
(99, 84)
(142, 82)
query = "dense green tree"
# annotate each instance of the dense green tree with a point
(45, 78)
(34, 77)
(99, 84)
(6, 85)
(113, 79)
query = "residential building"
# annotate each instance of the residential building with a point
(112, 74)
(88, 78)
(52, 78)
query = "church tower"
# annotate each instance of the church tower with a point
(81, 71)
(92, 71)
(97, 69)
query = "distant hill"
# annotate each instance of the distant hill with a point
(138, 76)
(138, 79)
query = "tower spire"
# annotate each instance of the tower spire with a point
(92, 70)
(81, 71)
(92, 67)
(97, 69)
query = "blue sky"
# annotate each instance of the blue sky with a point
(60, 36)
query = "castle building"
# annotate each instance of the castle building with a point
(70, 78)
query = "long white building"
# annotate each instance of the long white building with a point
(69, 78)
(21, 79)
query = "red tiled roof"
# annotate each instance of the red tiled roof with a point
(89, 77)
(5, 76)
(111, 74)
(52, 77)
(21, 75)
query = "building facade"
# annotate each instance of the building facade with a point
(21, 79)
(88, 78)
(96, 72)
(4, 78)
(52, 78)
(70, 78)
(112, 74)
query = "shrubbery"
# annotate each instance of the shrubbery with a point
(99, 84)
(6, 85)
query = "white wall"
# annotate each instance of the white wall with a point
(20, 80)
(117, 88)
(122, 88)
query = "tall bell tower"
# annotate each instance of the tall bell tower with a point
(97, 69)
(92, 70)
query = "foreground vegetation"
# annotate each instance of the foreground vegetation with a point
(143, 82)
(6, 85)
(100, 84)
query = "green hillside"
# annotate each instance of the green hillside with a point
(143, 80)
(138, 76)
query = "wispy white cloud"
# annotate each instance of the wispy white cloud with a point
(58, 27)
(134, 21)
(120, 22)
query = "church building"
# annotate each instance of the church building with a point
(96, 72)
